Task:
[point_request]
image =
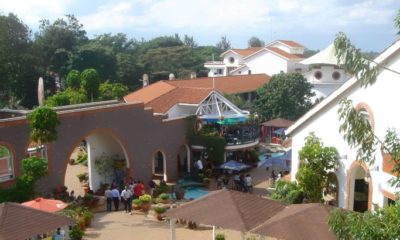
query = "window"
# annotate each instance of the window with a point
(219, 71)
(6, 164)
(336, 75)
(249, 72)
(297, 69)
(231, 60)
(318, 75)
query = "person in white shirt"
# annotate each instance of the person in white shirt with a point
(127, 196)
(249, 183)
(199, 165)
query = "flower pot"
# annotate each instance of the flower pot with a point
(164, 201)
(136, 207)
(145, 206)
(159, 217)
(88, 222)
(179, 195)
(86, 189)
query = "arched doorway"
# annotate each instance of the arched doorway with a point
(331, 191)
(160, 165)
(359, 188)
(6, 163)
(183, 159)
(100, 156)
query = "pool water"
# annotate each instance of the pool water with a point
(195, 192)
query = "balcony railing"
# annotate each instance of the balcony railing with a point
(241, 134)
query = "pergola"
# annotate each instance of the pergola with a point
(226, 209)
(21, 222)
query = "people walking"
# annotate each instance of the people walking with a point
(109, 197)
(248, 180)
(116, 198)
(127, 196)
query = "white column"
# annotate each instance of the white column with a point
(213, 233)
(172, 228)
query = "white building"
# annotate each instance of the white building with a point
(324, 72)
(275, 57)
(360, 186)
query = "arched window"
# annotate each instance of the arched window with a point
(6, 164)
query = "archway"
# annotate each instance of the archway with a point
(183, 159)
(102, 158)
(6, 163)
(331, 191)
(359, 188)
(160, 165)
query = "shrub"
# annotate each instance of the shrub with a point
(145, 198)
(287, 192)
(76, 233)
(82, 177)
(220, 236)
(208, 173)
(206, 181)
(162, 189)
(160, 209)
(136, 201)
(163, 196)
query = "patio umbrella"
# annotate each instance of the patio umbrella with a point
(234, 165)
(298, 221)
(47, 205)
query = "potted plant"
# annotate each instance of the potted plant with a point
(164, 198)
(146, 202)
(179, 192)
(88, 216)
(220, 236)
(206, 182)
(76, 233)
(136, 204)
(159, 210)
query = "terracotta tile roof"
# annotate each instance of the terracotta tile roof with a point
(179, 95)
(299, 221)
(247, 51)
(162, 95)
(150, 92)
(229, 84)
(291, 43)
(285, 54)
(278, 122)
(20, 222)
(228, 209)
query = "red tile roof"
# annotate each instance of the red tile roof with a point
(248, 51)
(291, 43)
(285, 54)
(163, 95)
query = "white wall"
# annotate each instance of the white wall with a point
(181, 110)
(98, 144)
(266, 62)
(238, 59)
(381, 99)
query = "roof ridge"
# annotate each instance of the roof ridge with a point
(240, 211)
(167, 92)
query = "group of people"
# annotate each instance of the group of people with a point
(132, 190)
(274, 177)
(243, 183)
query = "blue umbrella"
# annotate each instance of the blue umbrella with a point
(234, 165)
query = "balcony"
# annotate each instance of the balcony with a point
(241, 134)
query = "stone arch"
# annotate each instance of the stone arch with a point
(159, 164)
(13, 161)
(99, 132)
(351, 177)
(181, 160)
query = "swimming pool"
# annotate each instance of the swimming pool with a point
(195, 192)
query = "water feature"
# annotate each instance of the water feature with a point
(195, 192)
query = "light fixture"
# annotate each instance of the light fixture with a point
(367, 177)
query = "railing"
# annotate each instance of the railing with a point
(237, 135)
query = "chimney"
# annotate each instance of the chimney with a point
(171, 76)
(145, 80)
(193, 75)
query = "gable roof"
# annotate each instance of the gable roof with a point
(228, 209)
(163, 95)
(242, 52)
(279, 52)
(291, 43)
(278, 122)
(351, 83)
(21, 222)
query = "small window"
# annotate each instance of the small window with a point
(219, 71)
(6, 164)
(231, 60)
(318, 75)
(249, 72)
(297, 69)
(336, 75)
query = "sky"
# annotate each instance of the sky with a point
(313, 23)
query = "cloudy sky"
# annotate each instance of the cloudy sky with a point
(313, 23)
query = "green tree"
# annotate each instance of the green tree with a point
(58, 99)
(189, 41)
(90, 81)
(43, 122)
(34, 168)
(109, 91)
(73, 79)
(224, 44)
(256, 42)
(286, 95)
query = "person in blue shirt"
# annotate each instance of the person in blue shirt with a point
(116, 198)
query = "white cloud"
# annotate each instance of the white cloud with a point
(31, 11)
